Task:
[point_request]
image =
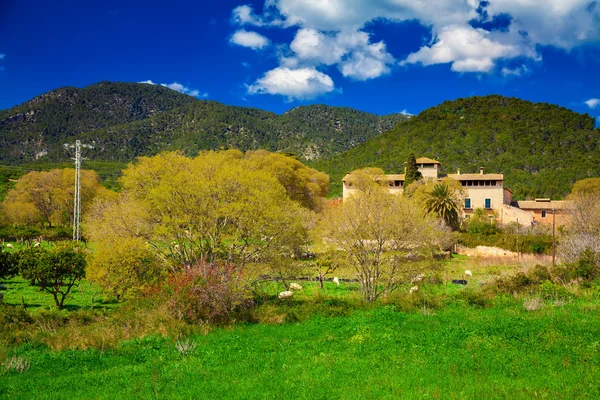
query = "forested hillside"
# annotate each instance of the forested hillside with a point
(39, 128)
(541, 148)
(125, 120)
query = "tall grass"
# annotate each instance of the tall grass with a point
(459, 351)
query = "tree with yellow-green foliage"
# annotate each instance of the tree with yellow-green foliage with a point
(386, 239)
(47, 197)
(367, 180)
(215, 206)
(124, 266)
(305, 185)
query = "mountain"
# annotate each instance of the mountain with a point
(542, 149)
(123, 120)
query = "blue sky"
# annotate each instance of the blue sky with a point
(381, 56)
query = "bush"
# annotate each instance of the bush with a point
(207, 293)
(552, 291)
(475, 298)
(588, 266)
(537, 248)
(419, 300)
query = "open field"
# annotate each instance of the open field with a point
(503, 351)
(445, 341)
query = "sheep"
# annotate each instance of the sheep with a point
(295, 286)
(286, 295)
(413, 289)
(37, 244)
(336, 280)
(468, 274)
(10, 246)
(417, 278)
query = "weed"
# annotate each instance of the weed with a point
(533, 304)
(185, 347)
(17, 364)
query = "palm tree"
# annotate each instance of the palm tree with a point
(442, 202)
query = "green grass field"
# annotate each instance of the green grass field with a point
(444, 342)
(458, 352)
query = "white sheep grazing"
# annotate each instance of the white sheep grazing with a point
(295, 286)
(413, 289)
(468, 274)
(417, 278)
(10, 246)
(336, 280)
(286, 295)
(37, 244)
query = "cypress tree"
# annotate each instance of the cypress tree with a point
(412, 172)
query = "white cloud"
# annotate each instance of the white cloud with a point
(351, 51)
(2, 55)
(302, 83)
(467, 48)
(528, 24)
(249, 39)
(592, 103)
(310, 45)
(405, 112)
(179, 88)
(519, 71)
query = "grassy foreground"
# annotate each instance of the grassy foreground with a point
(460, 351)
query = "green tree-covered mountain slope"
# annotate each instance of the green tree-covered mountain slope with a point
(125, 120)
(43, 124)
(542, 149)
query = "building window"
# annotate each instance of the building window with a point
(488, 203)
(544, 214)
(467, 203)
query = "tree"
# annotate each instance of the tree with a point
(203, 209)
(7, 264)
(124, 267)
(412, 171)
(383, 236)
(442, 200)
(58, 270)
(47, 197)
(305, 185)
(583, 229)
(367, 180)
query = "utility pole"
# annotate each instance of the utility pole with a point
(77, 200)
(553, 237)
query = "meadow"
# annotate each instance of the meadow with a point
(445, 341)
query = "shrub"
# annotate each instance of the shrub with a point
(588, 266)
(419, 300)
(552, 291)
(475, 298)
(207, 292)
(537, 248)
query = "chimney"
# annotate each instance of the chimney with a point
(480, 170)
(457, 171)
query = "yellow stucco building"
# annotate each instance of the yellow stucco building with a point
(482, 190)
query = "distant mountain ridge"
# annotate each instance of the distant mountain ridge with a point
(125, 120)
(542, 149)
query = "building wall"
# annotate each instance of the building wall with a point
(478, 194)
(508, 214)
(430, 171)
(562, 217)
(348, 191)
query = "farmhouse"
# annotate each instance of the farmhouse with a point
(482, 190)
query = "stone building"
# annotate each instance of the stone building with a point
(482, 190)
